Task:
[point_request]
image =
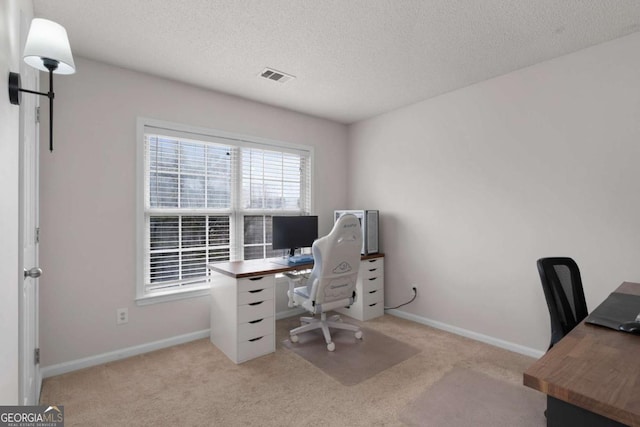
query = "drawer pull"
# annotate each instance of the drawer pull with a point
(374, 304)
(373, 292)
(256, 278)
(373, 260)
(256, 291)
(256, 303)
(373, 278)
(255, 339)
(256, 321)
(372, 269)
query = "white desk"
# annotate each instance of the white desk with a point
(243, 308)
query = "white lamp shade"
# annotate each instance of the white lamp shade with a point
(48, 39)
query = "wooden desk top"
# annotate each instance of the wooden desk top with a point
(260, 267)
(594, 368)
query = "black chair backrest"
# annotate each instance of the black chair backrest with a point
(563, 291)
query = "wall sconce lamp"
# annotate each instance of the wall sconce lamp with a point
(47, 49)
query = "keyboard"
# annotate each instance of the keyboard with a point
(300, 259)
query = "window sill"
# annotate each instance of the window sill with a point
(175, 295)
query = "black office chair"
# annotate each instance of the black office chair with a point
(563, 291)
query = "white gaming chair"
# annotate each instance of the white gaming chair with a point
(332, 281)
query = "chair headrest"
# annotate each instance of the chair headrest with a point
(345, 239)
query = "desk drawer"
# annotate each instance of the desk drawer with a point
(255, 295)
(256, 328)
(371, 267)
(256, 347)
(369, 273)
(259, 282)
(256, 310)
(372, 284)
(371, 297)
(372, 310)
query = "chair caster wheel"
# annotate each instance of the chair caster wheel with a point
(331, 346)
(293, 338)
(358, 335)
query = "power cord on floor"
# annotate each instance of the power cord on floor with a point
(415, 294)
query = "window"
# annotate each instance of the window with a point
(205, 196)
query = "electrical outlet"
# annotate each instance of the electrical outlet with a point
(122, 316)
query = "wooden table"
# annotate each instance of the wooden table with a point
(243, 305)
(259, 267)
(592, 376)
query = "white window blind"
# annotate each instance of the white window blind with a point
(209, 198)
(273, 180)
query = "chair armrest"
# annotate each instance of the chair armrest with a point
(293, 279)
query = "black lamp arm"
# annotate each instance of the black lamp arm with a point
(15, 89)
(34, 92)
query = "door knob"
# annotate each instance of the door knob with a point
(34, 273)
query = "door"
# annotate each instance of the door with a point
(29, 368)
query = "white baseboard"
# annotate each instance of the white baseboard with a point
(99, 359)
(517, 348)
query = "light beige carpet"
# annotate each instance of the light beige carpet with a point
(464, 397)
(194, 384)
(353, 360)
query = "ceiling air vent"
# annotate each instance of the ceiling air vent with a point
(278, 76)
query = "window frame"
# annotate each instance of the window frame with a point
(237, 211)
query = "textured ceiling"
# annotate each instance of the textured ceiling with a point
(353, 59)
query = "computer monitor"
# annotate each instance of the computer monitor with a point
(291, 232)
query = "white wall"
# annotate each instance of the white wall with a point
(475, 185)
(88, 201)
(10, 280)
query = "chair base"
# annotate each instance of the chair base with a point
(311, 323)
